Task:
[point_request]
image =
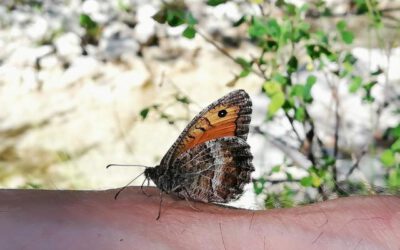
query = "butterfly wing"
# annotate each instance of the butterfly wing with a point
(214, 171)
(228, 116)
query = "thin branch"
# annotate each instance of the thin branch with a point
(290, 119)
(356, 163)
(275, 182)
(316, 14)
(336, 136)
(224, 52)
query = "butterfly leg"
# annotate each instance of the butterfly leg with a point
(141, 187)
(187, 196)
(159, 208)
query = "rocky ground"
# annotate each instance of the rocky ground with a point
(69, 107)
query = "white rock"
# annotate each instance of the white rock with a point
(28, 79)
(378, 58)
(137, 75)
(145, 27)
(90, 7)
(26, 56)
(117, 40)
(81, 67)
(68, 45)
(113, 49)
(99, 11)
(20, 17)
(50, 62)
(37, 29)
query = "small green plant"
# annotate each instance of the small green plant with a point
(92, 29)
(294, 44)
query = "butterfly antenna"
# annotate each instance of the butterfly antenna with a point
(126, 165)
(127, 185)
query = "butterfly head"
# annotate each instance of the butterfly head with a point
(159, 176)
(151, 173)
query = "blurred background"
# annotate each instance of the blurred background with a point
(88, 83)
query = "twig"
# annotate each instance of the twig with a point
(293, 153)
(336, 136)
(224, 52)
(290, 119)
(274, 182)
(356, 163)
(316, 14)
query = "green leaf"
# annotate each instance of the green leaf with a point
(311, 80)
(347, 36)
(341, 25)
(322, 37)
(244, 73)
(277, 101)
(182, 99)
(328, 161)
(240, 21)
(290, 9)
(350, 58)
(144, 113)
(243, 62)
(355, 84)
(377, 72)
(297, 90)
(316, 180)
(215, 2)
(175, 17)
(304, 8)
(273, 28)
(292, 65)
(269, 45)
(387, 157)
(189, 32)
(300, 114)
(370, 85)
(258, 28)
(258, 185)
(396, 146)
(271, 88)
(306, 181)
(246, 66)
(86, 22)
(190, 20)
(316, 50)
(304, 26)
(394, 179)
(395, 131)
(276, 169)
(160, 16)
(283, 80)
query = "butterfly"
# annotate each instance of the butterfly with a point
(210, 161)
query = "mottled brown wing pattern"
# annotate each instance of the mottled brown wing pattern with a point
(214, 171)
(210, 161)
(228, 116)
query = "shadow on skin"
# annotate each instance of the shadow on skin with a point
(40, 219)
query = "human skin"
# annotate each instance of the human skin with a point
(39, 219)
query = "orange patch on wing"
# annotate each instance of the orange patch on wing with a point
(211, 126)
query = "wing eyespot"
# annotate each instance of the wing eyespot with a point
(222, 113)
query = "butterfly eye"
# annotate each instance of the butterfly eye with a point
(222, 113)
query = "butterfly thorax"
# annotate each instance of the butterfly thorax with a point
(161, 177)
